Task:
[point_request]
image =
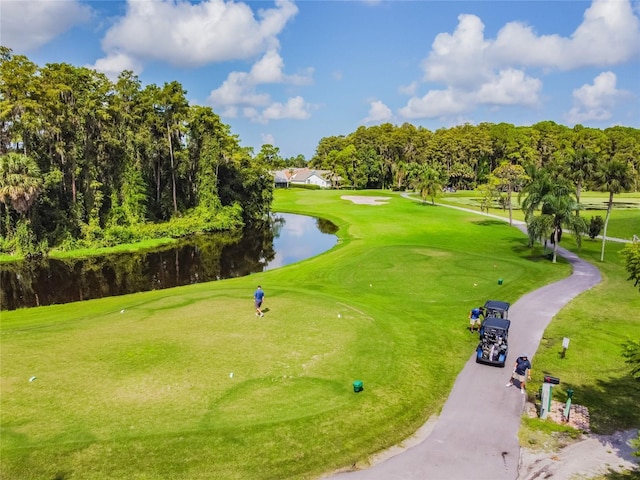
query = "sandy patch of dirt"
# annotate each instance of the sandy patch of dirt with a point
(362, 200)
(592, 456)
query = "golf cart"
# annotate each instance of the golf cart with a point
(496, 309)
(493, 346)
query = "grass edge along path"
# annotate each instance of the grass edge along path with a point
(140, 386)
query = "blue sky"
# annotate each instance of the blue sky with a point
(289, 73)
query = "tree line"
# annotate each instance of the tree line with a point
(547, 165)
(85, 161)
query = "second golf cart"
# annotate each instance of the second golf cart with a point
(494, 332)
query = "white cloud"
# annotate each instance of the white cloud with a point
(408, 89)
(26, 25)
(269, 70)
(295, 108)
(510, 87)
(459, 59)
(608, 35)
(596, 101)
(188, 34)
(115, 64)
(436, 103)
(477, 70)
(378, 113)
(237, 89)
(267, 139)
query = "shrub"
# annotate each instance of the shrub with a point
(116, 235)
(595, 226)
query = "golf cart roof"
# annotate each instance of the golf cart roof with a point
(496, 323)
(497, 305)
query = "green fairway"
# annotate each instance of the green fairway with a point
(624, 221)
(188, 384)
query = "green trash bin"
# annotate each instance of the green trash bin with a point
(499, 281)
(357, 386)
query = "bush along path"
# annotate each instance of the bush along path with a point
(476, 434)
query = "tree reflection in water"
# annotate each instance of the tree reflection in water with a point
(285, 239)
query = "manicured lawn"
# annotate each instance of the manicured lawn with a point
(624, 221)
(597, 324)
(140, 386)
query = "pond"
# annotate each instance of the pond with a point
(287, 239)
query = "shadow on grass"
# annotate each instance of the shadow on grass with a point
(635, 475)
(612, 403)
(491, 223)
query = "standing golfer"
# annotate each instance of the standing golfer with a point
(521, 371)
(258, 296)
(474, 319)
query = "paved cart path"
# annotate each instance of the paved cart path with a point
(475, 436)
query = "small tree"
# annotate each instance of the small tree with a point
(613, 176)
(557, 212)
(488, 193)
(595, 226)
(632, 255)
(511, 178)
(429, 183)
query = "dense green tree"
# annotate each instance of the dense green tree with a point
(613, 176)
(270, 156)
(115, 155)
(428, 182)
(580, 167)
(511, 178)
(631, 253)
(20, 181)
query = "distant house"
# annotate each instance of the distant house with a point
(280, 179)
(302, 176)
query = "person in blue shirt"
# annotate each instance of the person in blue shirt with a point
(474, 319)
(258, 297)
(521, 371)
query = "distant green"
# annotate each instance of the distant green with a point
(141, 386)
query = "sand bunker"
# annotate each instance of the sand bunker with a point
(362, 200)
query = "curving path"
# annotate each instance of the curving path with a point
(475, 436)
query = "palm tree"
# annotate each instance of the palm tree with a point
(429, 183)
(540, 191)
(20, 181)
(562, 210)
(511, 177)
(538, 185)
(614, 177)
(581, 167)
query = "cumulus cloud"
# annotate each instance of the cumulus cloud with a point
(408, 89)
(510, 87)
(267, 139)
(113, 65)
(437, 103)
(596, 101)
(188, 34)
(269, 69)
(459, 59)
(239, 90)
(478, 70)
(294, 108)
(27, 25)
(608, 35)
(378, 113)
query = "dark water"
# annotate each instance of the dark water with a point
(287, 239)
